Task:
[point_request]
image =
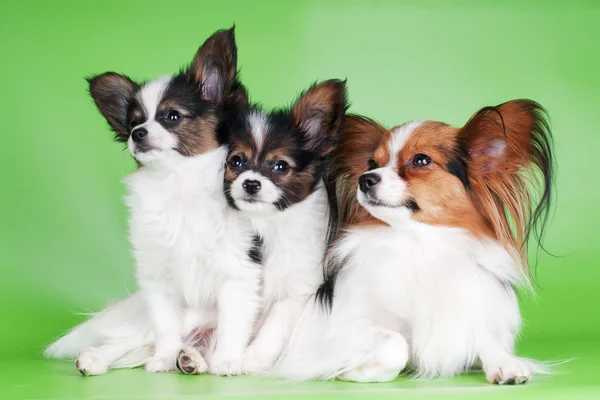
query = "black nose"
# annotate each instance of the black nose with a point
(367, 181)
(138, 134)
(251, 186)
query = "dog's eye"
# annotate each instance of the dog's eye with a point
(135, 122)
(173, 116)
(280, 166)
(236, 162)
(373, 164)
(421, 160)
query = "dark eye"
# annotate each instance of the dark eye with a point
(280, 166)
(135, 122)
(173, 116)
(421, 160)
(236, 162)
(373, 164)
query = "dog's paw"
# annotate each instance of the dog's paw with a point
(256, 361)
(90, 362)
(509, 371)
(190, 362)
(160, 364)
(226, 365)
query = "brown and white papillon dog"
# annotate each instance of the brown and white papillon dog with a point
(432, 244)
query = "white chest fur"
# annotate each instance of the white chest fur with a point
(444, 291)
(294, 243)
(181, 227)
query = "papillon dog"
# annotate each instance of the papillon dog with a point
(274, 176)
(194, 254)
(433, 244)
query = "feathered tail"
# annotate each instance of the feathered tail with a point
(126, 320)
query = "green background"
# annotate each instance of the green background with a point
(63, 240)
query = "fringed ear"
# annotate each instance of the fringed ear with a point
(319, 113)
(214, 70)
(112, 94)
(510, 167)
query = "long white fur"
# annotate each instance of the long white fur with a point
(192, 264)
(294, 243)
(433, 299)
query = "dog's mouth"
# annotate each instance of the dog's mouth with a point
(141, 148)
(369, 200)
(411, 204)
(379, 203)
(251, 200)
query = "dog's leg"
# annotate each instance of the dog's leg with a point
(238, 304)
(272, 337)
(167, 321)
(501, 366)
(389, 358)
(97, 360)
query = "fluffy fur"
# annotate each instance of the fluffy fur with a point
(274, 177)
(423, 272)
(193, 253)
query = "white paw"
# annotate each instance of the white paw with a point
(160, 364)
(508, 371)
(90, 362)
(368, 373)
(190, 362)
(256, 361)
(389, 359)
(225, 365)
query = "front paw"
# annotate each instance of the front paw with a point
(190, 362)
(91, 362)
(510, 371)
(160, 364)
(256, 361)
(225, 364)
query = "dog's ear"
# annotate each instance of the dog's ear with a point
(510, 168)
(112, 94)
(214, 70)
(501, 139)
(319, 113)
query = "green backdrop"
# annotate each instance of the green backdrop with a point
(63, 241)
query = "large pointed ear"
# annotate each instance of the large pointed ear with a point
(319, 113)
(510, 167)
(214, 70)
(504, 138)
(112, 94)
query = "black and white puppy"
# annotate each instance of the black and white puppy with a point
(274, 176)
(193, 252)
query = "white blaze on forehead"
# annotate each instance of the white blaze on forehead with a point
(151, 94)
(259, 125)
(399, 137)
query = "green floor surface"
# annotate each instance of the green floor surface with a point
(52, 380)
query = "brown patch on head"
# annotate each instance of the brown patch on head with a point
(197, 135)
(359, 140)
(382, 154)
(439, 189)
